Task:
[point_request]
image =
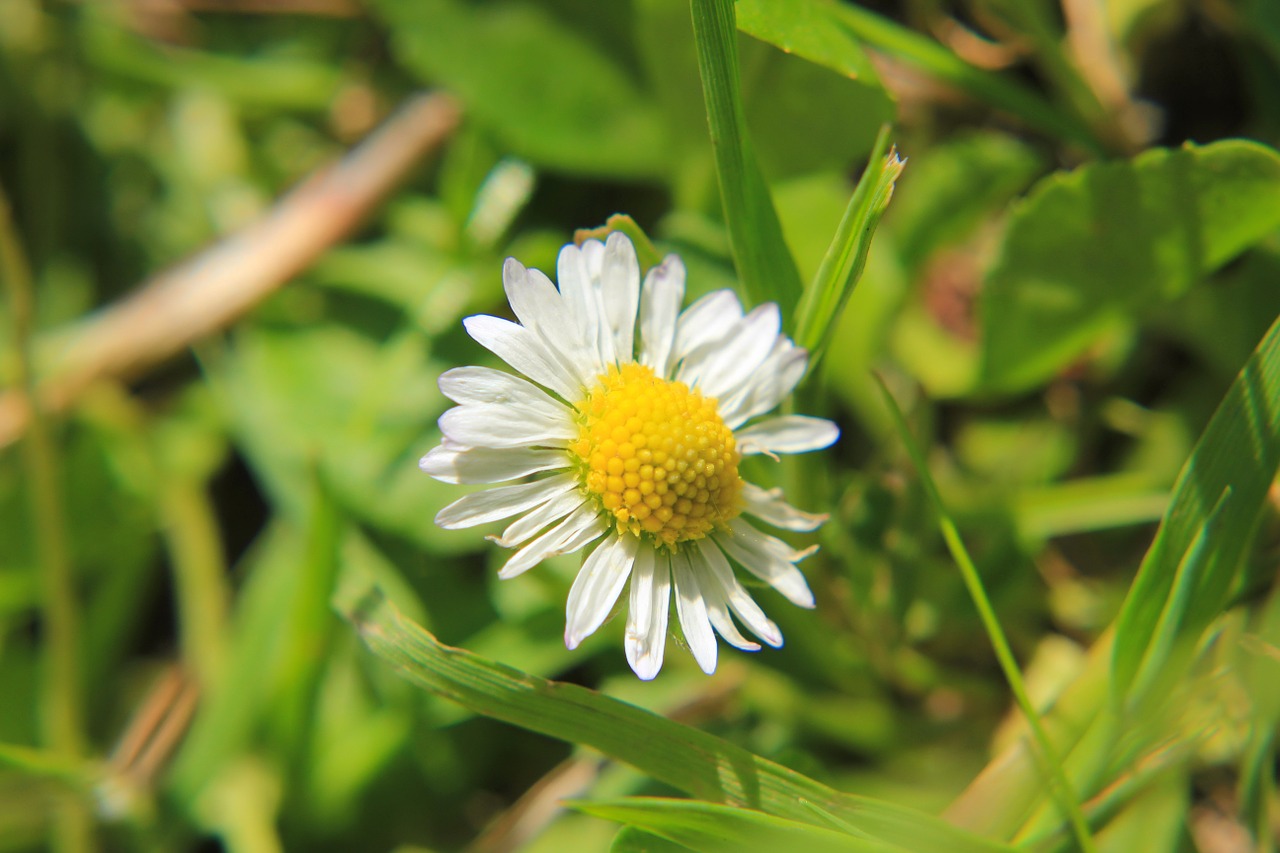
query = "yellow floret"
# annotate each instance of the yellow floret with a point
(657, 456)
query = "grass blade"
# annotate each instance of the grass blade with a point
(712, 828)
(825, 299)
(693, 761)
(765, 266)
(1238, 454)
(931, 57)
(1063, 791)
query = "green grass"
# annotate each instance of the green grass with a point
(1047, 617)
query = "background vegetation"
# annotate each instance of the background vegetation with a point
(237, 241)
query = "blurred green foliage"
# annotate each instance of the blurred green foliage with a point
(1060, 294)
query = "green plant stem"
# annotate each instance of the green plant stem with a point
(61, 703)
(191, 534)
(43, 764)
(1004, 654)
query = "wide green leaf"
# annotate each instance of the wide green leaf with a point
(955, 186)
(547, 92)
(711, 827)
(789, 136)
(810, 29)
(1189, 570)
(1090, 248)
(690, 760)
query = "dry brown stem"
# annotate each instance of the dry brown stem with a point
(215, 287)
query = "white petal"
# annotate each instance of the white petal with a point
(693, 613)
(502, 502)
(722, 367)
(579, 270)
(775, 379)
(453, 463)
(620, 287)
(706, 321)
(577, 530)
(523, 528)
(769, 506)
(659, 307)
(507, 425)
(538, 306)
(481, 385)
(524, 351)
(716, 601)
(742, 604)
(768, 558)
(718, 612)
(646, 637)
(597, 586)
(787, 434)
(579, 299)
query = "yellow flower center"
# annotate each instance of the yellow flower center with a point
(657, 456)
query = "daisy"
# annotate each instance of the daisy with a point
(625, 434)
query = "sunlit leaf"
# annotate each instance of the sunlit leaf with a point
(1092, 247)
(1190, 567)
(712, 828)
(550, 94)
(686, 758)
(810, 29)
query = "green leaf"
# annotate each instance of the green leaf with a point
(632, 840)
(282, 82)
(688, 759)
(953, 187)
(809, 29)
(711, 827)
(760, 254)
(1186, 576)
(1090, 248)
(1088, 503)
(548, 94)
(791, 137)
(824, 300)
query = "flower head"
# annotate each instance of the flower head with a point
(626, 435)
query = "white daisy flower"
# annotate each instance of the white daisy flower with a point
(626, 434)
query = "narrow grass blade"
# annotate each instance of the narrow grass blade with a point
(715, 828)
(632, 840)
(929, 56)
(46, 764)
(690, 760)
(824, 300)
(1239, 453)
(1052, 761)
(1167, 634)
(765, 266)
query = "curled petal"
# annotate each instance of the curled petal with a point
(650, 603)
